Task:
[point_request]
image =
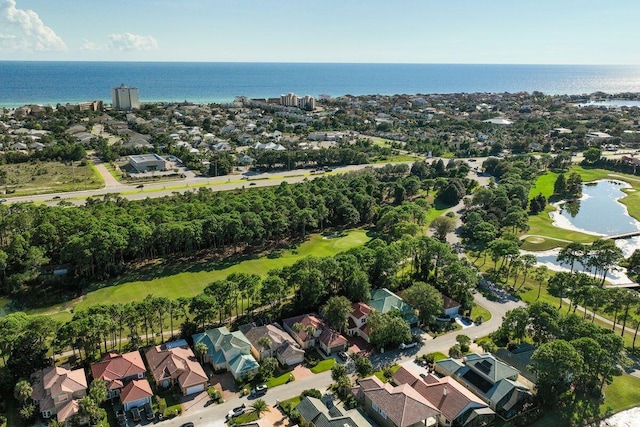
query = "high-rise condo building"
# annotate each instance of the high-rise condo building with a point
(125, 98)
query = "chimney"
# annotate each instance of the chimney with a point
(446, 390)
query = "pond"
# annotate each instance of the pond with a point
(597, 212)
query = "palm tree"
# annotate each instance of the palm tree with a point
(265, 342)
(200, 351)
(259, 407)
(540, 274)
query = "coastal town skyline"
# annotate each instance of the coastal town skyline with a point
(500, 32)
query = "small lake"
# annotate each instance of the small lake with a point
(597, 212)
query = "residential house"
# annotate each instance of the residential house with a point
(311, 331)
(457, 405)
(307, 332)
(174, 363)
(228, 350)
(57, 391)
(492, 380)
(390, 406)
(117, 370)
(450, 307)
(281, 345)
(384, 301)
(357, 320)
(316, 412)
(332, 341)
(136, 393)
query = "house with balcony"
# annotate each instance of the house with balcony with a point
(357, 321)
(57, 391)
(229, 351)
(116, 370)
(492, 380)
(310, 331)
(272, 341)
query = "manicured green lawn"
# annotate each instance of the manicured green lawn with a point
(479, 310)
(542, 225)
(544, 185)
(187, 280)
(623, 393)
(279, 380)
(438, 356)
(380, 373)
(323, 365)
(245, 418)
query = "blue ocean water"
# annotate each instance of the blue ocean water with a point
(50, 83)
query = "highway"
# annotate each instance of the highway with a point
(193, 183)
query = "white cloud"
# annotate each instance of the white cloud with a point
(90, 46)
(23, 30)
(131, 42)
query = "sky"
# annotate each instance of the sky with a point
(367, 31)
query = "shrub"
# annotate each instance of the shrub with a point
(455, 351)
(312, 392)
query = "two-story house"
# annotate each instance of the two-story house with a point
(228, 350)
(357, 320)
(272, 341)
(457, 405)
(311, 331)
(57, 391)
(492, 380)
(384, 301)
(390, 406)
(118, 369)
(174, 363)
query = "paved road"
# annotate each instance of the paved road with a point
(214, 415)
(221, 183)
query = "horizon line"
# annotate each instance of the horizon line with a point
(318, 63)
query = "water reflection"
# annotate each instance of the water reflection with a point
(572, 207)
(598, 212)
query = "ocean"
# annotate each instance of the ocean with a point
(49, 83)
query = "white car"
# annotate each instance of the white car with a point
(404, 346)
(236, 411)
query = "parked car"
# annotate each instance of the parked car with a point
(55, 197)
(148, 412)
(343, 355)
(140, 186)
(253, 183)
(135, 414)
(259, 390)
(3, 200)
(122, 418)
(404, 346)
(236, 411)
(187, 425)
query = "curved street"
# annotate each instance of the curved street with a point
(213, 415)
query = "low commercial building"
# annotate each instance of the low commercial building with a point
(147, 163)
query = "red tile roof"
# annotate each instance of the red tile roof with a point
(360, 309)
(118, 366)
(136, 390)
